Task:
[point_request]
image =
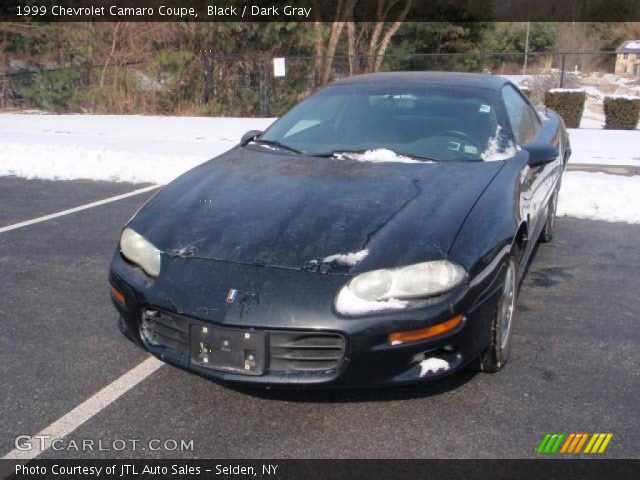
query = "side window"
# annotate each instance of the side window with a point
(524, 120)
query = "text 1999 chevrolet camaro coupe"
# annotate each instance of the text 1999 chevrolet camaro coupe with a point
(375, 234)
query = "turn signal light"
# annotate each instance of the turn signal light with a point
(407, 336)
(117, 295)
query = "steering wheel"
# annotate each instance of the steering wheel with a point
(457, 134)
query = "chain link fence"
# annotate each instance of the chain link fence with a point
(190, 83)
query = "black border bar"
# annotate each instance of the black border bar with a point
(318, 10)
(547, 469)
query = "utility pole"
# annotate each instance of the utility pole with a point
(526, 51)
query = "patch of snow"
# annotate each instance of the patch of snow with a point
(592, 121)
(349, 303)
(379, 155)
(594, 92)
(433, 365)
(347, 259)
(599, 196)
(632, 44)
(625, 97)
(610, 77)
(568, 90)
(593, 111)
(496, 151)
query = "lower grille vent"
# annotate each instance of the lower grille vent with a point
(305, 351)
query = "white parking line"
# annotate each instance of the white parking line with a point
(87, 409)
(77, 209)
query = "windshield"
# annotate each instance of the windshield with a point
(440, 123)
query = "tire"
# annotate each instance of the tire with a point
(547, 231)
(497, 354)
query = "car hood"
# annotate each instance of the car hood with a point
(292, 211)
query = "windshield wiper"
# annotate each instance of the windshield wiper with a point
(275, 143)
(335, 153)
(417, 157)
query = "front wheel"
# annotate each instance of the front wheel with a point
(497, 354)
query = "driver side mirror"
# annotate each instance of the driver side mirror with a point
(249, 136)
(541, 153)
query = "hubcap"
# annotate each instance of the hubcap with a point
(508, 306)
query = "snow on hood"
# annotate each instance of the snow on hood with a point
(379, 155)
(347, 259)
(497, 150)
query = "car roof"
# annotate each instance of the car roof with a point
(478, 80)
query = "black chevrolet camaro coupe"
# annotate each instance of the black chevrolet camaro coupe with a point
(375, 234)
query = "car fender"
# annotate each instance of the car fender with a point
(494, 227)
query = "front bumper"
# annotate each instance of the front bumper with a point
(289, 307)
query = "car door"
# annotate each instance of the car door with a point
(536, 182)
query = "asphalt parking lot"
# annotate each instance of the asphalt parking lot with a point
(574, 366)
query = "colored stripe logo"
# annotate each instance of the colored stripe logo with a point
(574, 443)
(232, 295)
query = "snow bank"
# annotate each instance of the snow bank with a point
(129, 148)
(55, 162)
(598, 196)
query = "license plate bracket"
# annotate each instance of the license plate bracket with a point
(228, 349)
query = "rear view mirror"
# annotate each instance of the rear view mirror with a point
(541, 153)
(249, 136)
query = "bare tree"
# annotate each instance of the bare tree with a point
(383, 31)
(114, 42)
(380, 36)
(325, 52)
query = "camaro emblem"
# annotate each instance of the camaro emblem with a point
(232, 295)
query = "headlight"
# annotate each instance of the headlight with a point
(385, 289)
(136, 249)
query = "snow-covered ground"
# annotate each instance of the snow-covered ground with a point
(158, 149)
(606, 147)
